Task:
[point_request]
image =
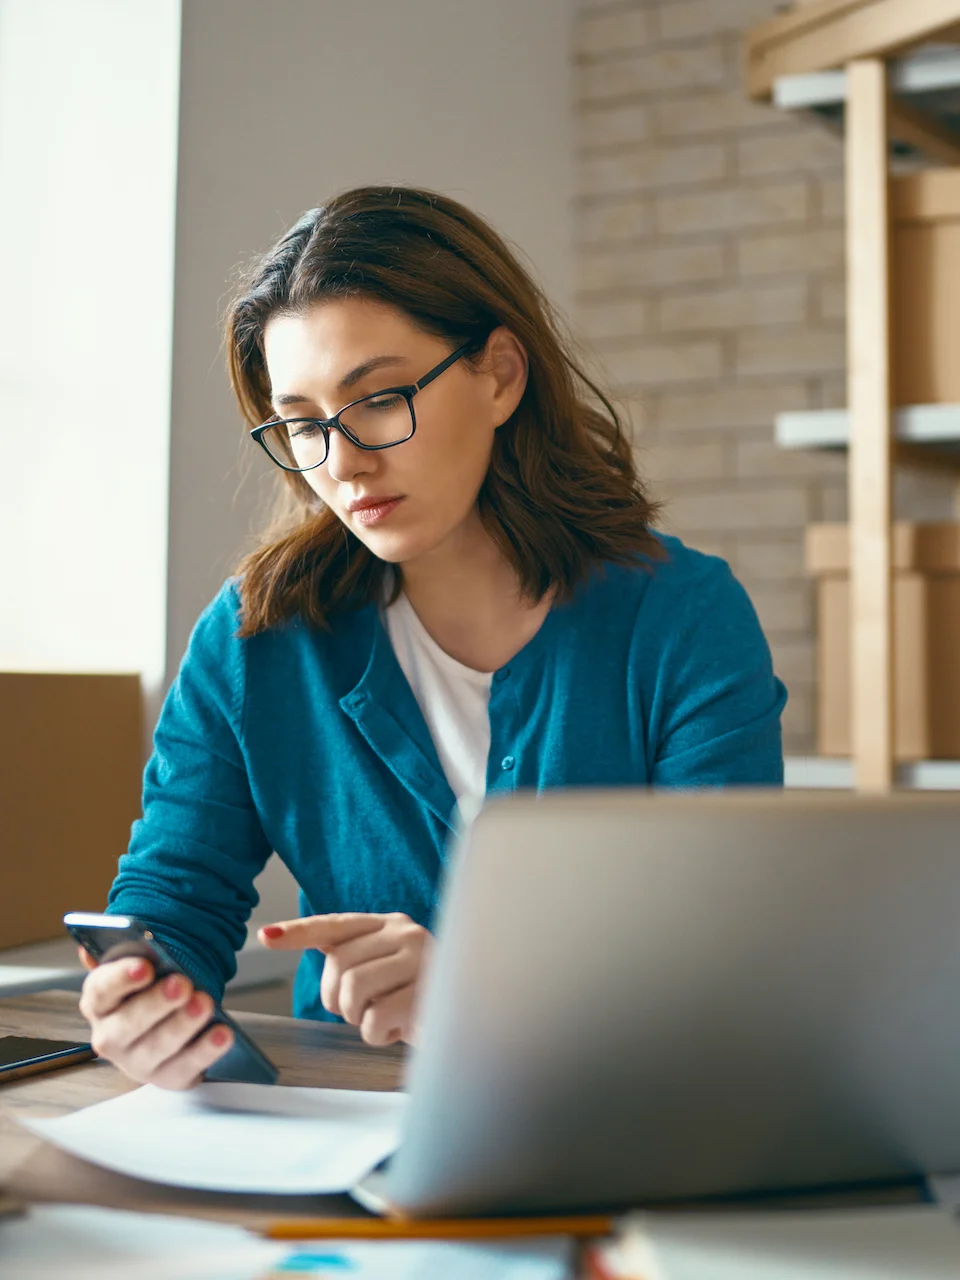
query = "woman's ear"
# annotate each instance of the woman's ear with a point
(506, 364)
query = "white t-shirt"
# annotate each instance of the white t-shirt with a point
(454, 699)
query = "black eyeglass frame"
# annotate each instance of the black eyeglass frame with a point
(327, 425)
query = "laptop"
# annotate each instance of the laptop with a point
(640, 997)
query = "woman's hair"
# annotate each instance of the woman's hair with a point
(561, 493)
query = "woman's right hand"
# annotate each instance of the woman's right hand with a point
(146, 1028)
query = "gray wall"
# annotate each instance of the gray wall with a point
(284, 103)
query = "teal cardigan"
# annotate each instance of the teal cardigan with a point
(311, 744)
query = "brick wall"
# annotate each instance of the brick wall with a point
(710, 256)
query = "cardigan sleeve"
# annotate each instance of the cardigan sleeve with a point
(193, 856)
(717, 703)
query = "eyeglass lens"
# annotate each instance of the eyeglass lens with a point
(377, 421)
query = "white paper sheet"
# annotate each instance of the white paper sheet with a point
(54, 1241)
(236, 1137)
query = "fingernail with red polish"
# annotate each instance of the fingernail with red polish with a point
(220, 1036)
(137, 970)
(194, 1007)
(173, 987)
(272, 931)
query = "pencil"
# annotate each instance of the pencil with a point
(435, 1228)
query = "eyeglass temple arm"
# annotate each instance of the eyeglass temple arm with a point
(443, 366)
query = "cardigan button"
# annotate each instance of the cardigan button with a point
(501, 675)
(507, 763)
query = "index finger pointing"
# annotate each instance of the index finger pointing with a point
(321, 933)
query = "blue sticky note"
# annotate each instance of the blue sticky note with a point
(303, 1263)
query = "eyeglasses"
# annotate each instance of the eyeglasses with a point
(377, 421)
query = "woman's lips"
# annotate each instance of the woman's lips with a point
(376, 512)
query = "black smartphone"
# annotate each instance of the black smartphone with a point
(113, 937)
(28, 1055)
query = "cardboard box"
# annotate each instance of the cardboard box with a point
(71, 761)
(925, 268)
(926, 595)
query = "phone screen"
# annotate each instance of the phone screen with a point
(30, 1055)
(15, 1049)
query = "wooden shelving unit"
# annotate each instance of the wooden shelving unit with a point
(933, 428)
(868, 65)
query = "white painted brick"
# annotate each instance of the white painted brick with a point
(654, 364)
(731, 407)
(690, 19)
(599, 34)
(832, 299)
(760, 560)
(615, 318)
(831, 198)
(760, 457)
(803, 148)
(636, 415)
(799, 717)
(790, 350)
(624, 124)
(793, 661)
(828, 391)
(831, 503)
(667, 464)
(707, 113)
(650, 267)
(648, 74)
(728, 208)
(785, 609)
(733, 307)
(604, 221)
(740, 509)
(790, 252)
(650, 168)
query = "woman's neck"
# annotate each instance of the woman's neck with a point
(468, 598)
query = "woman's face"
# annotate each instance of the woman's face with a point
(410, 500)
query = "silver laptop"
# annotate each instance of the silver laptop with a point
(638, 998)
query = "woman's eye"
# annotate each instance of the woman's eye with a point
(384, 402)
(303, 430)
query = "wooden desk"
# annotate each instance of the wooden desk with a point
(307, 1053)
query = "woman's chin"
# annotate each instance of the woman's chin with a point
(394, 549)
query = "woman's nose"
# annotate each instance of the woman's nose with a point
(345, 461)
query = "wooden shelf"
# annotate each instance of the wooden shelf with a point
(925, 108)
(820, 773)
(888, 73)
(932, 428)
(934, 70)
(820, 35)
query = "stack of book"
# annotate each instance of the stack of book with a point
(919, 1243)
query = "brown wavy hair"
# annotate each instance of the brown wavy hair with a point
(562, 492)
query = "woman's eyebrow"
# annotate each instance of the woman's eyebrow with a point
(347, 381)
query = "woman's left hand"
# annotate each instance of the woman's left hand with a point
(373, 966)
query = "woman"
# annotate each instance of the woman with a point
(462, 595)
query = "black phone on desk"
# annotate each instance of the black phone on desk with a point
(108, 938)
(29, 1055)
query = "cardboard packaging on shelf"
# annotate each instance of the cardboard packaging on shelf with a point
(925, 214)
(71, 759)
(926, 559)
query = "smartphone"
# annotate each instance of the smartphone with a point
(112, 937)
(28, 1055)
